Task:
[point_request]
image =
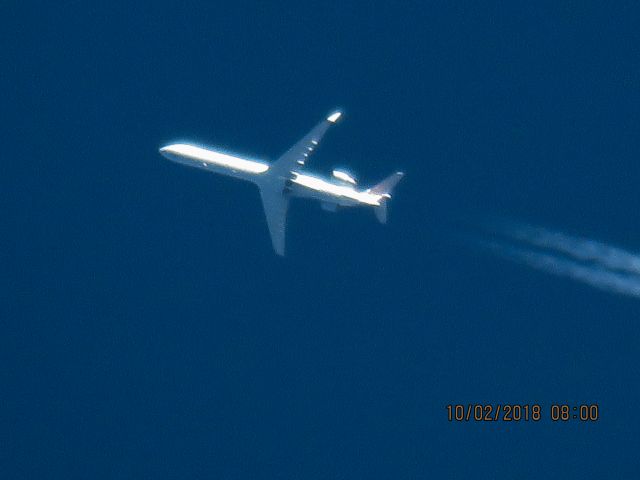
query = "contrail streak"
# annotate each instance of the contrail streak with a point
(588, 261)
(582, 249)
(595, 276)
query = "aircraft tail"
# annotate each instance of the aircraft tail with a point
(384, 188)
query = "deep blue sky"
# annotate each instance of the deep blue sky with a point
(148, 330)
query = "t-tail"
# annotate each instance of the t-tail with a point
(384, 188)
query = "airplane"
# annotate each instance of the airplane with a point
(285, 178)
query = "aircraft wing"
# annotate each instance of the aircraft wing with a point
(275, 208)
(297, 155)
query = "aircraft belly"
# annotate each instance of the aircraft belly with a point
(321, 196)
(214, 168)
(306, 192)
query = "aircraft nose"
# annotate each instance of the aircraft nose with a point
(165, 151)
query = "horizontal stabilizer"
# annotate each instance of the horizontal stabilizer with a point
(381, 212)
(386, 186)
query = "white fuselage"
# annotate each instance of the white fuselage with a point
(299, 185)
(345, 195)
(213, 161)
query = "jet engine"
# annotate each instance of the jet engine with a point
(344, 177)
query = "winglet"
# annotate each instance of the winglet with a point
(333, 118)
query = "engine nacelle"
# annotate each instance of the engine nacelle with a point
(344, 177)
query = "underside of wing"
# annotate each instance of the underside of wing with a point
(297, 155)
(275, 208)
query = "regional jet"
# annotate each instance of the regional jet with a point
(286, 178)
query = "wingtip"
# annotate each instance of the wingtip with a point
(333, 118)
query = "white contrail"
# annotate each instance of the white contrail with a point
(593, 275)
(588, 261)
(582, 249)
